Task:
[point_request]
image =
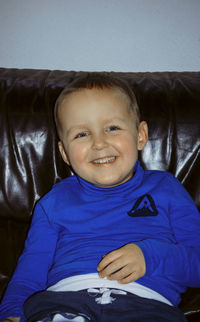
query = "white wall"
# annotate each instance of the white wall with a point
(96, 35)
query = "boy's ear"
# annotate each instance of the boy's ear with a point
(63, 152)
(142, 135)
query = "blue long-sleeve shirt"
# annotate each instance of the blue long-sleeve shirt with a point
(76, 223)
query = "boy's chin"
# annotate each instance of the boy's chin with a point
(111, 183)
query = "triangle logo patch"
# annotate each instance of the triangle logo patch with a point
(144, 207)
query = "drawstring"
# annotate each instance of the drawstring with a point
(105, 297)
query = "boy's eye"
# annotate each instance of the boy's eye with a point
(81, 135)
(113, 128)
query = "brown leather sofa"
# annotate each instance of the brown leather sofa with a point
(30, 162)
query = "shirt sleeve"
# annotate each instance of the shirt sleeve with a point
(33, 265)
(179, 261)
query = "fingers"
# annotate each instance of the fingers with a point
(124, 275)
(128, 279)
(112, 269)
(108, 259)
(120, 274)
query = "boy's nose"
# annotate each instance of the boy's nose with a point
(99, 142)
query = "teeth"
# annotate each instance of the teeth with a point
(104, 160)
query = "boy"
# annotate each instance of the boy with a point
(112, 242)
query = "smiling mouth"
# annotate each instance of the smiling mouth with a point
(104, 160)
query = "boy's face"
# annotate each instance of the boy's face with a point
(100, 139)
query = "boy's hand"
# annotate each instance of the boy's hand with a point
(125, 264)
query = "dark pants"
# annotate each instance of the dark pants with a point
(98, 305)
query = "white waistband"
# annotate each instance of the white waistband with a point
(82, 282)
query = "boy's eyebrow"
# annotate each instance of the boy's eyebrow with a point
(115, 119)
(76, 127)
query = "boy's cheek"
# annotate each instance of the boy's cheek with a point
(76, 154)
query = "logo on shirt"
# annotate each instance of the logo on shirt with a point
(144, 207)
